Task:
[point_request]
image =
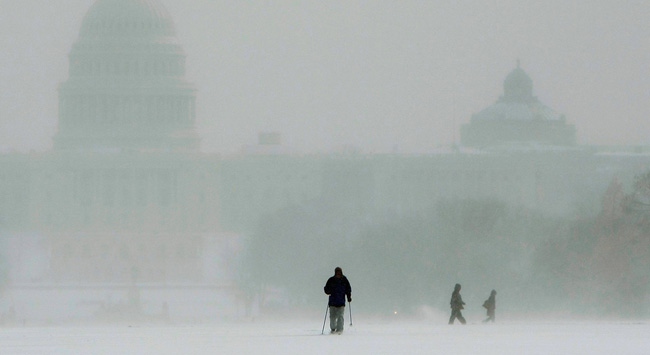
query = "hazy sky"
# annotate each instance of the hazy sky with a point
(376, 75)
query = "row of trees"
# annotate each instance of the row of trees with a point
(605, 260)
(589, 265)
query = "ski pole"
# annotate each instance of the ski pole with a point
(326, 309)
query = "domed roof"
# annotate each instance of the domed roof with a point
(518, 76)
(517, 117)
(127, 87)
(518, 102)
(518, 86)
(132, 18)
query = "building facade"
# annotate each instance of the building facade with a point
(122, 213)
(126, 217)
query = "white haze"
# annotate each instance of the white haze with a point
(375, 75)
(379, 76)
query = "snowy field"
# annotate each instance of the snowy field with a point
(364, 337)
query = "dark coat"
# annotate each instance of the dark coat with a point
(338, 288)
(490, 304)
(456, 302)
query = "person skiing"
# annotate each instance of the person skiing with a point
(490, 304)
(456, 306)
(337, 288)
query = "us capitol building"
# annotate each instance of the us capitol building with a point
(125, 215)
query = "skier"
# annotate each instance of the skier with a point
(490, 304)
(456, 306)
(337, 287)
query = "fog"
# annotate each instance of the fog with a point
(329, 135)
(375, 76)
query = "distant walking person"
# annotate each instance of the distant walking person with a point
(490, 304)
(456, 306)
(337, 287)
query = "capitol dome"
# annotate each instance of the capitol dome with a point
(127, 88)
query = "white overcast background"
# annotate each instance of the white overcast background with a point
(376, 75)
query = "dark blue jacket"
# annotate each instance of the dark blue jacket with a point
(338, 288)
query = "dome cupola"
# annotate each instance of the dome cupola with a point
(518, 86)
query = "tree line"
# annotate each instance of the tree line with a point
(589, 265)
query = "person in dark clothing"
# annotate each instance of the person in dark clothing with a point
(338, 288)
(490, 304)
(456, 306)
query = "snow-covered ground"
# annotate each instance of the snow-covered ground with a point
(304, 337)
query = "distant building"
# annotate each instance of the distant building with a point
(517, 117)
(125, 204)
(125, 216)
